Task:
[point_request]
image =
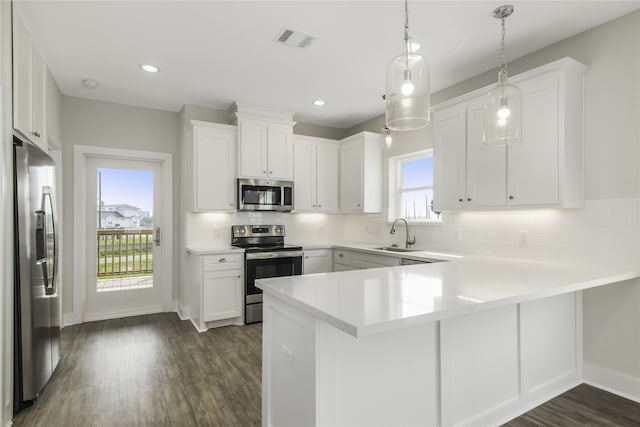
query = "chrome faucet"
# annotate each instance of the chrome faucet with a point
(409, 241)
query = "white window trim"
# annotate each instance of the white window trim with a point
(395, 188)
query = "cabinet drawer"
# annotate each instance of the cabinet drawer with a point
(222, 262)
(342, 257)
(373, 261)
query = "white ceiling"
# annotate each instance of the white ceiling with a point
(212, 53)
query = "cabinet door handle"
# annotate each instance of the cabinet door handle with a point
(222, 260)
(313, 206)
(358, 204)
(239, 277)
(511, 197)
(341, 255)
(319, 206)
(306, 257)
(468, 199)
(264, 171)
(36, 134)
(231, 204)
(461, 200)
(270, 172)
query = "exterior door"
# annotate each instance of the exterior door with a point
(124, 225)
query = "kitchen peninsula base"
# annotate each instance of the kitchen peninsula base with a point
(482, 368)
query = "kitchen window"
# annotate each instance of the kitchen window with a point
(411, 187)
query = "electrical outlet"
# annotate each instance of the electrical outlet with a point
(524, 238)
(287, 356)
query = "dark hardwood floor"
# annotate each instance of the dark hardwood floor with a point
(158, 371)
(152, 371)
(582, 406)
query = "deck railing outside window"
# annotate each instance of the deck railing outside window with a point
(123, 252)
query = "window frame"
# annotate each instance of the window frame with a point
(396, 189)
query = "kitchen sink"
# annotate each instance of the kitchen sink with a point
(395, 249)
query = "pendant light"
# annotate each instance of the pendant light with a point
(388, 139)
(406, 97)
(503, 103)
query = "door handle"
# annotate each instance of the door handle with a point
(156, 236)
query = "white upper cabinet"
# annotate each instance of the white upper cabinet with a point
(265, 141)
(533, 166)
(449, 127)
(212, 159)
(280, 152)
(315, 177)
(545, 170)
(29, 75)
(361, 173)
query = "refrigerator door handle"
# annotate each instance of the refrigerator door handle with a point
(41, 248)
(47, 201)
(46, 251)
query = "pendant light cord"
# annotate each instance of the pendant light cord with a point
(503, 64)
(406, 21)
(406, 32)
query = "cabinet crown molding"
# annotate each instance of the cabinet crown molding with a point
(246, 111)
(213, 125)
(565, 63)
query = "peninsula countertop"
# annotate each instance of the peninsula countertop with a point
(371, 301)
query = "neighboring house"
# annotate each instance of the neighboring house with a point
(121, 216)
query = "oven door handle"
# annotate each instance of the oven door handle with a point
(269, 255)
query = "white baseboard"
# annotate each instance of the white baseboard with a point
(184, 312)
(108, 316)
(516, 407)
(615, 382)
(198, 328)
(68, 319)
(173, 306)
(181, 315)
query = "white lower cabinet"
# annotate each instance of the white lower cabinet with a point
(216, 290)
(344, 260)
(477, 369)
(318, 261)
(497, 362)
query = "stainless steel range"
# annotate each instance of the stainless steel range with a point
(266, 255)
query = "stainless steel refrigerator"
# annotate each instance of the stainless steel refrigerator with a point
(37, 304)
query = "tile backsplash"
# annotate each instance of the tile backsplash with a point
(604, 231)
(214, 229)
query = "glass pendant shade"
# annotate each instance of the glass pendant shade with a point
(407, 101)
(502, 113)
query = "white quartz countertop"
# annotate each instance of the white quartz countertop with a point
(365, 302)
(197, 250)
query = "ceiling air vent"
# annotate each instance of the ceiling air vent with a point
(293, 38)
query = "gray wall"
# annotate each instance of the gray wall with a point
(103, 124)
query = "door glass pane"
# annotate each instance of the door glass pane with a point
(417, 205)
(125, 229)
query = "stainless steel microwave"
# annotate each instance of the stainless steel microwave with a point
(265, 195)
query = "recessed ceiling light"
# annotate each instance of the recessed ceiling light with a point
(319, 103)
(90, 84)
(149, 68)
